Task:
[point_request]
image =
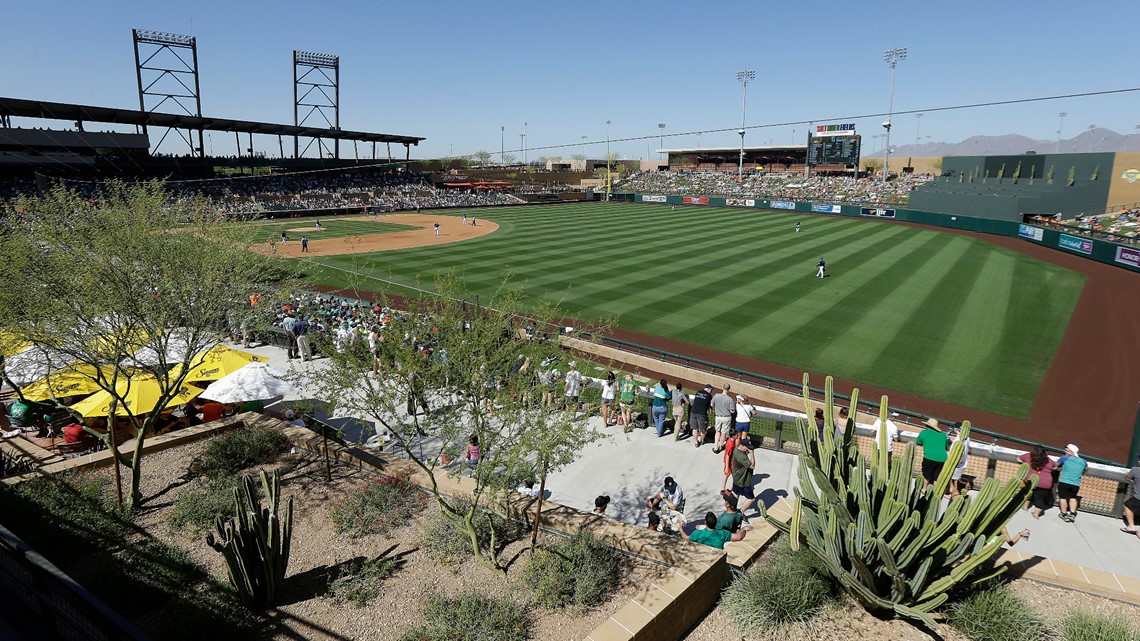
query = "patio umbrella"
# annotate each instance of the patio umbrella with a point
(34, 363)
(254, 382)
(218, 361)
(140, 395)
(70, 381)
(175, 344)
(11, 344)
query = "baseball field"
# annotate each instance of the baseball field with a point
(929, 313)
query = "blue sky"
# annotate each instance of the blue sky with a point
(456, 72)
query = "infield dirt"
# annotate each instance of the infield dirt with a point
(451, 230)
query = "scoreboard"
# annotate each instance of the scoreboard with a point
(833, 150)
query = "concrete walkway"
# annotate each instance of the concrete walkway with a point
(630, 467)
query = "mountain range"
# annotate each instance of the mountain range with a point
(1013, 144)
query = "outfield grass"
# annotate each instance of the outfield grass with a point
(262, 231)
(925, 312)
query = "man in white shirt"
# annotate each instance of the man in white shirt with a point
(892, 432)
(573, 388)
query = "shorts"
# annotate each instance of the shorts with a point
(931, 469)
(746, 492)
(958, 473)
(723, 423)
(742, 427)
(607, 401)
(699, 422)
(1068, 491)
(626, 405)
(1133, 504)
(1042, 498)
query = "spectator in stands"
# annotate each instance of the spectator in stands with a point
(626, 398)
(670, 494)
(711, 536)
(888, 429)
(1132, 504)
(573, 388)
(956, 484)
(1042, 466)
(600, 504)
(743, 468)
(679, 400)
(731, 519)
(699, 414)
(934, 445)
(1069, 485)
(723, 407)
(661, 396)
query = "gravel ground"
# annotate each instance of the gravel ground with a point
(305, 612)
(847, 621)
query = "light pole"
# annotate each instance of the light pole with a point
(608, 160)
(1092, 128)
(502, 145)
(661, 140)
(917, 124)
(1060, 127)
(892, 56)
(583, 153)
(524, 143)
(744, 77)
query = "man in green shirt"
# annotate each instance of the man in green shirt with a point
(731, 519)
(934, 445)
(711, 536)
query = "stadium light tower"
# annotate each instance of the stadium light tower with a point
(608, 160)
(1060, 127)
(744, 77)
(917, 124)
(166, 67)
(661, 140)
(502, 144)
(892, 56)
(315, 77)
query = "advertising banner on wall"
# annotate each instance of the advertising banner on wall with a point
(695, 201)
(740, 202)
(654, 199)
(782, 204)
(1030, 232)
(1128, 256)
(1072, 243)
(826, 209)
(875, 211)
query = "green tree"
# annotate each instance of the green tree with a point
(94, 282)
(472, 385)
(482, 157)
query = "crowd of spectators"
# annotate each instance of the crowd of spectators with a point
(778, 186)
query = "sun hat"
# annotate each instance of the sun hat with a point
(932, 423)
(1074, 448)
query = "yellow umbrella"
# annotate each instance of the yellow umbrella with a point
(139, 395)
(70, 381)
(12, 344)
(218, 361)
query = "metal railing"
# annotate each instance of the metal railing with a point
(34, 591)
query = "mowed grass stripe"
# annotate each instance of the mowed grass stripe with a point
(907, 356)
(743, 281)
(859, 308)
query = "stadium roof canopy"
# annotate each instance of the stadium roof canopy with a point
(85, 113)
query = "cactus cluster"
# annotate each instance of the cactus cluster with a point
(255, 541)
(892, 546)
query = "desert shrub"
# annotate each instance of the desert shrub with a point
(1085, 625)
(360, 580)
(996, 613)
(196, 509)
(235, 451)
(378, 507)
(791, 588)
(472, 617)
(14, 463)
(579, 571)
(447, 543)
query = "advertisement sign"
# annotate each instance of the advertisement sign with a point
(695, 201)
(654, 199)
(1032, 233)
(875, 211)
(846, 129)
(740, 202)
(1128, 256)
(1072, 243)
(826, 209)
(782, 204)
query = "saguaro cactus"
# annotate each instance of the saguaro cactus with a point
(892, 546)
(255, 541)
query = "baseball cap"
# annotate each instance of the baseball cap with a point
(730, 498)
(669, 482)
(1074, 448)
(289, 414)
(894, 414)
(708, 386)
